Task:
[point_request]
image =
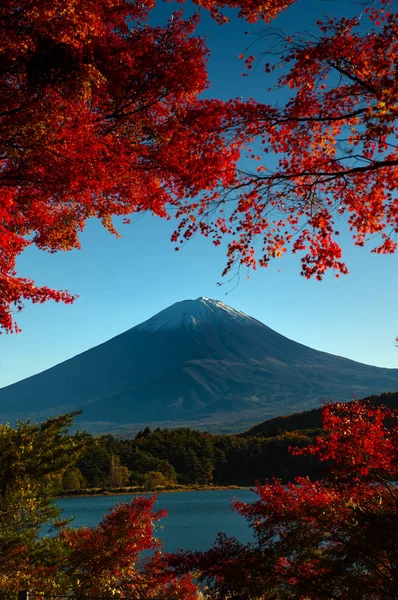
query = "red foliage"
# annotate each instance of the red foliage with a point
(251, 10)
(334, 145)
(335, 538)
(361, 441)
(99, 120)
(93, 124)
(107, 559)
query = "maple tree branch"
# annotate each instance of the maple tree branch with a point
(275, 177)
(320, 119)
(352, 77)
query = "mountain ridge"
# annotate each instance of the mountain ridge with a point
(197, 361)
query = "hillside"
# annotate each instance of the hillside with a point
(307, 420)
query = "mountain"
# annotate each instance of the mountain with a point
(199, 362)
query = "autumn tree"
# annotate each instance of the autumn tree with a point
(93, 124)
(118, 475)
(319, 540)
(325, 158)
(108, 559)
(100, 116)
(73, 479)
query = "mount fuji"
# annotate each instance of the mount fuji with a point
(198, 363)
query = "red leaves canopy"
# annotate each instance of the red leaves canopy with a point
(361, 441)
(99, 118)
(92, 124)
(251, 10)
(107, 560)
(334, 144)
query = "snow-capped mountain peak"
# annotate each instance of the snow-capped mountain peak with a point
(194, 314)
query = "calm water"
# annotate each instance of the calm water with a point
(193, 518)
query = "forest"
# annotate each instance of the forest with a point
(185, 457)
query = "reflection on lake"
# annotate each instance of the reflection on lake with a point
(193, 518)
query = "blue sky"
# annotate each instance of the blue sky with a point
(122, 282)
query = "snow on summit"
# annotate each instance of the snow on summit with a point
(194, 314)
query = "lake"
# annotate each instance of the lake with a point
(193, 518)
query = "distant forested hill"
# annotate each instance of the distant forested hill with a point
(309, 419)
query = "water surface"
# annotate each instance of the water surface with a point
(193, 518)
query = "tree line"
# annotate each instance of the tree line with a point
(184, 456)
(165, 457)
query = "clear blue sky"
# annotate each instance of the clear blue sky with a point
(123, 282)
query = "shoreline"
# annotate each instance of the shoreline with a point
(86, 493)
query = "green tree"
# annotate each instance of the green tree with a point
(72, 479)
(154, 479)
(33, 458)
(94, 464)
(189, 452)
(140, 462)
(118, 475)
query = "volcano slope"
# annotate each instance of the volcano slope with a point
(197, 363)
